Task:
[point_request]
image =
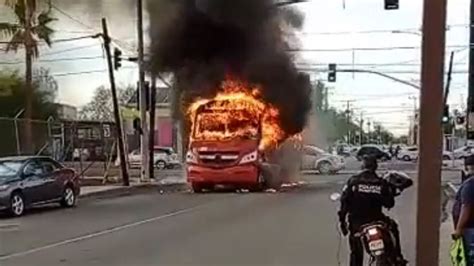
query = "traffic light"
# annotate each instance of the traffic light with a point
(391, 4)
(117, 58)
(446, 114)
(332, 73)
(460, 120)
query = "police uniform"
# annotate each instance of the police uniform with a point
(362, 201)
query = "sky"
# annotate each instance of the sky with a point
(79, 66)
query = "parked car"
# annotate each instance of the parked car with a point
(411, 154)
(27, 181)
(164, 158)
(408, 154)
(463, 152)
(373, 150)
(314, 158)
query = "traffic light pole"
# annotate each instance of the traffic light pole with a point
(118, 120)
(470, 97)
(144, 173)
(151, 139)
(431, 109)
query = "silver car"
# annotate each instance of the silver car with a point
(314, 158)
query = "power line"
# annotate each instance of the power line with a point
(86, 72)
(388, 48)
(389, 112)
(64, 13)
(55, 60)
(368, 64)
(116, 41)
(70, 49)
(383, 107)
(387, 71)
(374, 98)
(60, 40)
(377, 31)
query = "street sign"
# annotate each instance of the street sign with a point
(106, 129)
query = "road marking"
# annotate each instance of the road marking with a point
(8, 227)
(97, 234)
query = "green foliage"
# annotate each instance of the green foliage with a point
(100, 108)
(12, 94)
(12, 101)
(335, 124)
(27, 31)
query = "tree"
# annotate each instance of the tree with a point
(100, 108)
(30, 28)
(12, 102)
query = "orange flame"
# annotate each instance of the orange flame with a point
(237, 111)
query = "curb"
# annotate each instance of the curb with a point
(120, 191)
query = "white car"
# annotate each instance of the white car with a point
(411, 154)
(164, 158)
(314, 158)
(463, 152)
(408, 154)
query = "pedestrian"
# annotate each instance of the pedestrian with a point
(390, 150)
(463, 211)
(397, 150)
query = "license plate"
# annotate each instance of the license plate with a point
(376, 245)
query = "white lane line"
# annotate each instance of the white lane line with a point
(97, 234)
(9, 227)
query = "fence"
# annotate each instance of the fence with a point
(87, 146)
(13, 136)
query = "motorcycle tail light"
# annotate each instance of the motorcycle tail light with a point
(373, 232)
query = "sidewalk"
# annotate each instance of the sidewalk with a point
(170, 183)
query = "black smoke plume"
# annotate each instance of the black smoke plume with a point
(201, 41)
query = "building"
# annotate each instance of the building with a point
(167, 133)
(66, 112)
(96, 140)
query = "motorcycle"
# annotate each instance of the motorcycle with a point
(377, 237)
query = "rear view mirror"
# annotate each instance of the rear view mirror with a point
(335, 196)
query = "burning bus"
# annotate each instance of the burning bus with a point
(230, 135)
(237, 91)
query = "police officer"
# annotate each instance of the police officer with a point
(362, 200)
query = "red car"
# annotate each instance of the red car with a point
(27, 181)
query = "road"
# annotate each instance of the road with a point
(296, 227)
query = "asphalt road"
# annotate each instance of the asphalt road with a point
(296, 227)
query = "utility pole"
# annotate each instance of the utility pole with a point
(326, 99)
(118, 120)
(415, 127)
(368, 131)
(470, 95)
(151, 141)
(348, 113)
(449, 140)
(361, 126)
(431, 109)
(143, 104)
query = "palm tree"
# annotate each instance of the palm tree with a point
(30, 28)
